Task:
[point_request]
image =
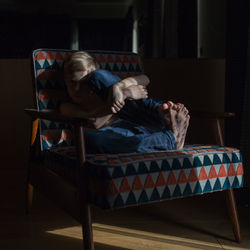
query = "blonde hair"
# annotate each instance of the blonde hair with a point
(81, 61)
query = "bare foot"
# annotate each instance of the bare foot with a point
(179, 122)
(135, 92)
(164, 112)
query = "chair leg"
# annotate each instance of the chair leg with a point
(233, 213)
(29, 197)
(88, 243)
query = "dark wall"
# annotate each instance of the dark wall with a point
(236, 58)
(20, 33)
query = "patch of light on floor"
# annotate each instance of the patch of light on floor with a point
(112, 235)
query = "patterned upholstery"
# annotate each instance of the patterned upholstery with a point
(127, 179)
(49, 86)
(121, 180)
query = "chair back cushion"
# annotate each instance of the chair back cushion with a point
(50, 88)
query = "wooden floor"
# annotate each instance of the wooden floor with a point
(190, 223)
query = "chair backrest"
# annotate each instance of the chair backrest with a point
(49, 86)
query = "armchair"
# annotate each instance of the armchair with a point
(60, 168)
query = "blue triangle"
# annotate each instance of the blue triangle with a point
(138, 68)
(55, 65)
(41, 105)
(216, 159)
(142, 168)
(187, 163)
(118, 202)
(187, 190)
(165, 165)
(197, 162)
(225, 158)
(207, 161)
(155, 195)
(131, 68)
(197, 189)
(107, 67)
(235, 159)
(130, 170)
(154, 167)
(116, 68)
(177, 191)
(166, 194)
(217, 185)
(131, 199)
(176, 164)
(143, 197)
(226, 184)
(46, 64)
(207, 187)
(45, 146)
(123, 68)
(37, 65)
(117, 172)
(236, 183)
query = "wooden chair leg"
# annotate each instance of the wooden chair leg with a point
(29, 197)
(88, 243)
(233, 213)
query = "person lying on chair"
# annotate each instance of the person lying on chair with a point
(124, 118)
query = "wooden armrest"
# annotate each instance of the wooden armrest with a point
(211, 114)
(54, 116)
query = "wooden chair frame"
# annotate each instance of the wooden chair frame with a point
(79, 206)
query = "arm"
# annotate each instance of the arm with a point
(132, 88)
(95, 119)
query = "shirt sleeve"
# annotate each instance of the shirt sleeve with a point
(100, 82)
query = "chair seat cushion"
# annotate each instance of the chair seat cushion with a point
(119, 180)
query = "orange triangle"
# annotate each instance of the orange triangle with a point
(102, 58)
(182, 177)
(192, 176)
(110, 58)
(59, 56)
(239, 169)
(118, 59)
(161, 180)
(231, 171)
(203, 174)
(125, 59)
(222, 172)
(133, 60)
(49, 55)
(112, 188)
(66, 57)
(149, 183)
(212, 173)
(40, 56)
(125, 187)
(137, 183)
(171, 179)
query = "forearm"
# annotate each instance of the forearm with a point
(96, 119)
